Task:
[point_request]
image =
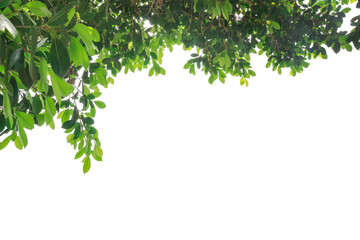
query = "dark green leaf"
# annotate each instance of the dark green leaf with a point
(36, 105)
(88, 120)
(17, 59)
(59, 58)
(4, 3)
(68, 124)
(77, 132)
(61, 16)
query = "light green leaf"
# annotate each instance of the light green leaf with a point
(38, 9)
(275, 25)
(100, 104)
(23, 136)
(5, 142)
(60, 87)
(98, 151)
(87, 164)
(85, 36)
(25, 120)
(55, 85)
(80, 153)
(76, 52)
(242, 81)
(342, 39)
(18, 143)
(6, 24)
(50, 106)
(227, 61)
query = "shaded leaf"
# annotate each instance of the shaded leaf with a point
(59, 58)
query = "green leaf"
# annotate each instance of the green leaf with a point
(348, 47)
(5, 142)
(23, 136)
(227, 61)
(4, 3)
(38, 9)
(88, 120)
(64, 88)
(77, 132)
(17, 59)
(80, 153)
(87, 164)
(275, 25)
(50, 106)
(61, 16)
(100, 104)
(153, 55)
(6, 24)
(252, 73)
(36, 105)
(76, 54)
(98, 151)
(342, 39)
(25, 77)
(43, 74)
(225, 12)
(242, 81)
(68, 124)
(55, 85)
(18, 143)
(85, 36)
(25, 120)
(59, 58)
(7, 107)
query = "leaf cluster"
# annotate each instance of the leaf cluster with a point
(57, 56)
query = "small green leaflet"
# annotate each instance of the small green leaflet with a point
(18, 143)
(25, 120)
(5, 142)
(275, 25)
(87, 164)
(38, 9)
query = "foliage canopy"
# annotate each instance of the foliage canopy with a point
(55, 55)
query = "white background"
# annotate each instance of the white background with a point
(187, 160)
